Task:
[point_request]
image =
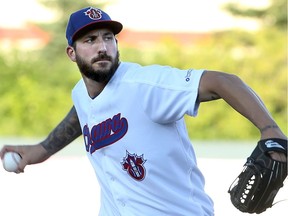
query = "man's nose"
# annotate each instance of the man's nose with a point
(101, 46)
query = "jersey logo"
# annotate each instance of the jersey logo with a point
(93, 13)
(105, 133)
(134, 165)
(188, 75)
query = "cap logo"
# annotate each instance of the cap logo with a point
(93, 13)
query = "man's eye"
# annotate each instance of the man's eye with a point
(90, 40)
(108, 37)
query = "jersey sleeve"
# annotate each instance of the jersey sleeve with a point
(166, 94)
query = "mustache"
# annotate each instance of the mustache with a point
(102, 56)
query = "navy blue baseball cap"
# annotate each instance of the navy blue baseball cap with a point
(89, 18)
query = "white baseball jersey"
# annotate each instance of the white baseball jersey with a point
(136, 140)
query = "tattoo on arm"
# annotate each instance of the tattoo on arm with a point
(67, 131)
(268, 127)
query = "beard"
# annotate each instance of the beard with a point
(98, 75)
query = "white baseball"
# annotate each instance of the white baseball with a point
(11, 161)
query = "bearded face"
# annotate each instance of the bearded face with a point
(100, 69)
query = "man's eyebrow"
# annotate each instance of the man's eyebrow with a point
(96, 34)
(108, 33)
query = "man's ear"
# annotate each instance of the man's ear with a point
(71, 53)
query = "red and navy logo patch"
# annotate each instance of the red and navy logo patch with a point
(134, 165)
(105, 133)
(93, 13)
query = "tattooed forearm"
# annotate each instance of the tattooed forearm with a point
(67, 131)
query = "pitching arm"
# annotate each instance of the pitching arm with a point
(63, 134)
(66, 131)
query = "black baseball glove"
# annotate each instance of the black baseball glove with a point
(255, 188)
